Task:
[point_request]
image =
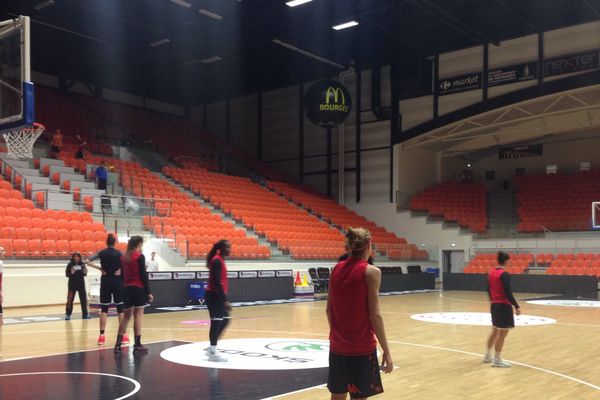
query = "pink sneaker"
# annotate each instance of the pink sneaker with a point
(125, 340)
(101, 340)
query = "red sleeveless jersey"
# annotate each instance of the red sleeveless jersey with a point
(212, 286)
(497, 293)
(351, 330)
(131, 270)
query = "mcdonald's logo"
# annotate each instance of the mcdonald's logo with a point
(338, 103)
(337, 93)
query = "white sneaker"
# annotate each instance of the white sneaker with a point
(216, 357)
(207, 351)
(487, 359)
(500, 363)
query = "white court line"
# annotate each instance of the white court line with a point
(548, 371)
(296, 392)
(80, 351)
(136, 384)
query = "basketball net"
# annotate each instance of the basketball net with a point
(19, 141)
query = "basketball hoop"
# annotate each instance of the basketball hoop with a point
(19, 141)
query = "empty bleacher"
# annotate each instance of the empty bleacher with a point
(294, 230)
(188, 226)
(465, 204)
(385, 242)
(557, 202)
(554, 264)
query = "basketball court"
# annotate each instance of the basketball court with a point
(442, 360)
(214, 122)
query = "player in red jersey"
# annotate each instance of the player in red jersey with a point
(136, 292)
(216, 296)
(503, 302)
(356, 324)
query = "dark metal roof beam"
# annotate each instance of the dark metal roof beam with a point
(517, 15)
(451, 21)
(593, 8)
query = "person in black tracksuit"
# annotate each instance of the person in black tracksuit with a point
(76, 272)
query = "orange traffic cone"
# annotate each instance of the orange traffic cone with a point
(298, 281)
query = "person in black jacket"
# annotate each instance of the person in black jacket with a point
(76, 272)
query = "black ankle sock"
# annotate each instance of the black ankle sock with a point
(119, 340)
(138, 340)
(102, 331)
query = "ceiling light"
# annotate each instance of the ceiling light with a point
(345, 25)
(181, 3)
(159, 42)
(43, 5)
(307, 53)
(210, 60)
(295, 3)
(210, 14)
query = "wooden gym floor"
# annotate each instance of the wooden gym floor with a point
(435, 361)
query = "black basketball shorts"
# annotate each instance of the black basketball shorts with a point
(357, 375)
(134, 296)
(502, 316)
(111, 287)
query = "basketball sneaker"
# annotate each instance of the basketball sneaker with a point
(140, 349)
(487, 359)
(67, 317)
(500, 363)
(101, 340)
(216, 357)
(86, 316)
(125, 339)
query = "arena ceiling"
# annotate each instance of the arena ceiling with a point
(163, 48)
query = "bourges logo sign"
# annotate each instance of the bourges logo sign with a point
(327, 103)
(338, 103)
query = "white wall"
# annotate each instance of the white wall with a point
(415, 229)
(566, 154)
(416, 169)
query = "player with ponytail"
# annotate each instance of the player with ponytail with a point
(216, 296)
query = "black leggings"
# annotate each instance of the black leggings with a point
(219, 318)
(82, 299)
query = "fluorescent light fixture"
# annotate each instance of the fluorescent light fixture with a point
(159, 42)
(182, 3)
(210, 14)
(345, 25)
(308, 53)
(210, 60)
(43, 5)
(295, 3)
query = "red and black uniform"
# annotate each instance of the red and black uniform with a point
(136, 287)
(216, 297)
(502, 299)
(353, 364)
(76, 273)
(111, 285)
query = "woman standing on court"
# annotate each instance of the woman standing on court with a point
(136, 292)
(216, 296)
(503, 301)
(356, 323)
(76, 272)
(111, 283)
